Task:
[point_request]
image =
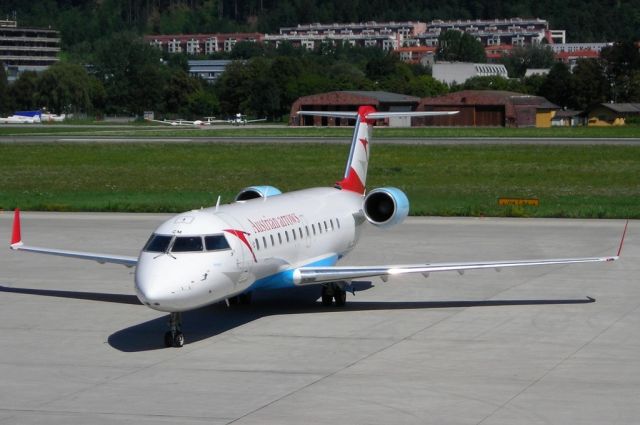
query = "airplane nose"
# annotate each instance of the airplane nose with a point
(166, 284)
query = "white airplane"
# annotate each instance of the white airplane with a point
(266, 239)
(20, 119)
(241, 119)
(185, 123)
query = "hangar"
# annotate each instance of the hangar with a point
(608, 114)
(349, 101)
(488, 108)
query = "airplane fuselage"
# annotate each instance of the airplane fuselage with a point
(264, 240)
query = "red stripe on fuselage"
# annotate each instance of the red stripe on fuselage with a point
(243, 238)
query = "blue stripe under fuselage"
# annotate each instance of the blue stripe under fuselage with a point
(284, 279)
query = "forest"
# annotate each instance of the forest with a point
(84, 21)
(106, 68)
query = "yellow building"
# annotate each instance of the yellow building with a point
(611, 114)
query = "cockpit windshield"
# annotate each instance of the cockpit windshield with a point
(187, 244)
(158, 243)
(166, 243)
(216, 242)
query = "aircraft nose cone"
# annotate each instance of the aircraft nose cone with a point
(168, 284)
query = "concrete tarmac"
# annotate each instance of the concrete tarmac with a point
(539, 345)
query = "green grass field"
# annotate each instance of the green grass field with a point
(570, 181)
(629, 131)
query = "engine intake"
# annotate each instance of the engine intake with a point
(386, 206)
(253, 192)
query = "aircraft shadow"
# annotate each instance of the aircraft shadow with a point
(214, 320)
(90, 296)
(210, 321)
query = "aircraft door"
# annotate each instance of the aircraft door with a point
(241, 245)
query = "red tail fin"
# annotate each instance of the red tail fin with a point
(16, 237)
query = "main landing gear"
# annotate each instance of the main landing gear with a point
(174, 337)
(334, 291)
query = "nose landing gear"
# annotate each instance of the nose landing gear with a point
(174, 337)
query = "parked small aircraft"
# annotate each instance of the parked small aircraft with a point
(185, 123)
(266, 240)
(241, 119)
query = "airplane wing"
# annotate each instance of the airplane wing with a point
(18, 245)
(260, 119)
(314, 275)
(174, 123)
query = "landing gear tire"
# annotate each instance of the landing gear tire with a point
(178, 340)
(174, 337)
(340, 295)
(327, 297)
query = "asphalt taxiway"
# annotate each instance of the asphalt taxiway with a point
(545, 345)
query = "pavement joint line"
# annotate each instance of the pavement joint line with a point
(132, 415)
(559, 363)
(367, 356)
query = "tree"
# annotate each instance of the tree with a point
(24, 91)
(64, 88)
(132, 74)
(620, 62)
(5, 97)
(558, 86)
(457, 46)
(590, 83)
(426, 86)
(528, 57)
(493, 83)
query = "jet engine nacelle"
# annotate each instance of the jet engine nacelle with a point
(386, 206)
(253, 192)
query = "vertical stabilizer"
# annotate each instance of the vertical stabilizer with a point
(355, 175)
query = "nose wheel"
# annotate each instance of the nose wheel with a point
(174, 337)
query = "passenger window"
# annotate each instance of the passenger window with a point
(338, 222)
(158, 243)
(187, 244)
(308, 234)
(216, 243)
(273, 243)
(300, 229)
(325, 226)
(331, 221)
(257, 244)
(264, 242)
(279, 238)
(286, 235)
(320, 228)
(293, 232)
(313, 227)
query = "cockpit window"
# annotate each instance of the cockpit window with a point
(158, 243)
(187, 244)
(216, 242)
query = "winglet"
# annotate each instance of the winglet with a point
(624, 233)
(16, 238)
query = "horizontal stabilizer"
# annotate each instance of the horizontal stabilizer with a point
(377, 114)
